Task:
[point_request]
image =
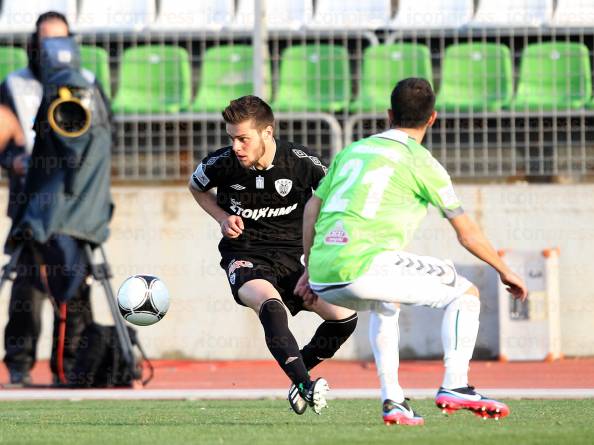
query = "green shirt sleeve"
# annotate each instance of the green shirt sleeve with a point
(435, 186)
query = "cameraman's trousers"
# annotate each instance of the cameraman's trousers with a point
(24, 326)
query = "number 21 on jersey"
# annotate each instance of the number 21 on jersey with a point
(369, 187)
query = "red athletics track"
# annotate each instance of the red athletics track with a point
(179, 374)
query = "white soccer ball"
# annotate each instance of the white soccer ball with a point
(143, 299)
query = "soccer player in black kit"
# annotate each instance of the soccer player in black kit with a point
(262, 186)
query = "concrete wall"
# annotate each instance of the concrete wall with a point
(160, 230)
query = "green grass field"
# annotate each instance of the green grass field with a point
(270, 422)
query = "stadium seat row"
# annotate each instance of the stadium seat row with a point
(475, 77)
(93, 58)
(286, 15)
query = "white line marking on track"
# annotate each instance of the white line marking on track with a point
(254, 394)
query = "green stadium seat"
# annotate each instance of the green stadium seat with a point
(476, 77)
(227, 73)
(154, 79)
(11, 59)
(313, 78)
(95, 59)
(554, 75)
(383, 67)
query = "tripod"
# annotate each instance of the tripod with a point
(101, 272)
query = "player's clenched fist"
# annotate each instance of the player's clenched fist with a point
(232, 226)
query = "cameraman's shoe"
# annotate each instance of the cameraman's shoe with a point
(451, 400)
(298, 403)
(57, 383)
(315, 394)
(400, 414)
(19, 378)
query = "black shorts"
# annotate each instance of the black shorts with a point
(280, 269)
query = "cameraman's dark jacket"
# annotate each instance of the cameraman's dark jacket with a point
(64, 201)
(22, 92)
(67, 183)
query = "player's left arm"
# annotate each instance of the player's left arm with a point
(435, 185)
(474, 240)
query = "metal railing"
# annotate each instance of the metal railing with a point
(476, 144)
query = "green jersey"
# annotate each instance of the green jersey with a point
(374, 196)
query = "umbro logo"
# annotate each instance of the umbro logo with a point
(238, 187)
(300, 153)
(214, 159)
(315, 161)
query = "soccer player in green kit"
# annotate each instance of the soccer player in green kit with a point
(355, 229)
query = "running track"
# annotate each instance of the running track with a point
(568, 378)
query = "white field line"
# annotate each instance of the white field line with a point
(254, 394)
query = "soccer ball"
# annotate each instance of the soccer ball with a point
(143, 299)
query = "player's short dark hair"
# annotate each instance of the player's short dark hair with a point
(413, 102)
(246, 108)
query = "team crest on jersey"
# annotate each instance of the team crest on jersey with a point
(283, 186)
(337, 235)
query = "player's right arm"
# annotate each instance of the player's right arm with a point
(310, 216)
(207, 175)
(314, 205)
(231, 225)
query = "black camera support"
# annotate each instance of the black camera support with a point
(101, 272)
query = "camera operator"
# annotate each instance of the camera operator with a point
(22, 92)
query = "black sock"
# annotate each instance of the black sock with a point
(281, 342)
(328, 338)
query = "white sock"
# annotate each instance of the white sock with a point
(384, 337)
(459, 329)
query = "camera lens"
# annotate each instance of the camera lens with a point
(70, 116)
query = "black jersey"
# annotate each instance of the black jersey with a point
(270, 202)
